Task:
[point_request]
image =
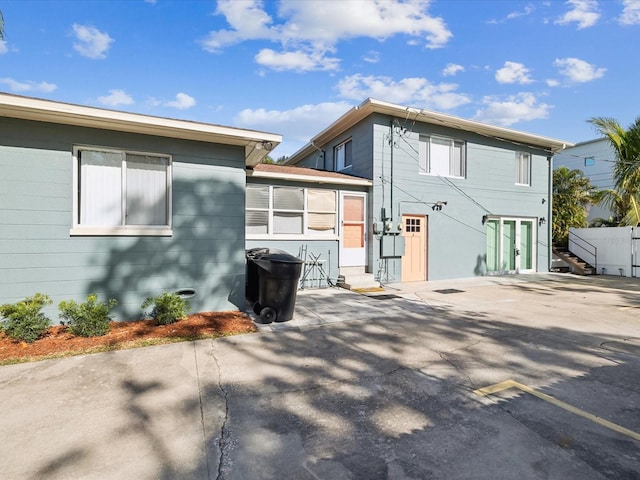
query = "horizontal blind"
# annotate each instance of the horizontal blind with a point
(286, 198)
(258, 196)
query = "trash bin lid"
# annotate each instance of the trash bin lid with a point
(272, 255)
(281, 258)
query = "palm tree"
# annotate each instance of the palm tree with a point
(624, 199)
(1, 26)
(572, 193)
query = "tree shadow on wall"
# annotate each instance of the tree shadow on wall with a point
(205, 253)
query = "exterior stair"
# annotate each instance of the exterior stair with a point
(355, 278)
(575, 264)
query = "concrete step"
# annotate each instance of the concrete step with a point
(357, 282)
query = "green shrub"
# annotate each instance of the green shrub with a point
(24, 319)
(87, 319)
(167, 308)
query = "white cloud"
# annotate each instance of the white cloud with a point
(182, 102)
(452, 69)
(328, 22)
(91, 42)
(372, 56)
(578, 71)
(300, 123)
(248, 21)
(528, 10)
(115, 98)
(3, 47)
(552, 82)
(512, 109)
(584, 13)
(28, 86)
(308, 30)
(513, 72)
(298, 61)
(418, 92)
(630, 13)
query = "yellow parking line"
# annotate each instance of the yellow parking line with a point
(507, 384)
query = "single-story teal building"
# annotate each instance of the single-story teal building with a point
(122, 205)
(307, 213)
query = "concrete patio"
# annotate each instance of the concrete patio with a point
(355, 387)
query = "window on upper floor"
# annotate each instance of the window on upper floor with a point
(343, 156)
(523, 168)
(276, 211)
(121, 193)
(442, 156)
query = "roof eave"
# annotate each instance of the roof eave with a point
(362, 182)
(370, 106)
(27, 108)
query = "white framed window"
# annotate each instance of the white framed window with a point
(121, 193)
(290, 212)
(523, 168)
(321, 211)
(258, 209)
(442, 156)
(343, 156)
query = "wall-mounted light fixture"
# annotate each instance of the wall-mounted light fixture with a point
(485, 218)
(542, 221)
(264, 145)
(438, 205)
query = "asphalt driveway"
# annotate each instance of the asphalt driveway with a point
(528, 377)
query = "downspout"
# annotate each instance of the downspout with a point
(391, 174)
(549, 214)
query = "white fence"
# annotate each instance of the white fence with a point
(611, 250)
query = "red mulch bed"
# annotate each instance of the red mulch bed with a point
(59, 342)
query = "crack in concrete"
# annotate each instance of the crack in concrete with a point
(443, 356)
(223, 428)
(204, 433)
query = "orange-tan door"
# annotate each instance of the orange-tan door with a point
(414, 260)
(353, 230)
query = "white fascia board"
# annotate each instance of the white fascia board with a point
(370, 106)
(28, 108)
(360, 182)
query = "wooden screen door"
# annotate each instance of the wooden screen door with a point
(353, 238)
(414, 260)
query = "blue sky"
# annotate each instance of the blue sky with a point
(294, 66)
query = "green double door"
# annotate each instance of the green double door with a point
(510, 245)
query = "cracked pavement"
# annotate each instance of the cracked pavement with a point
(353, 388)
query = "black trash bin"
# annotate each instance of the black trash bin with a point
(272, 283)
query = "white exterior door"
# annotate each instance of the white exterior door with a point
(511, 245)
(353, 230)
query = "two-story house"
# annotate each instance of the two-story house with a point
(450, 197)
